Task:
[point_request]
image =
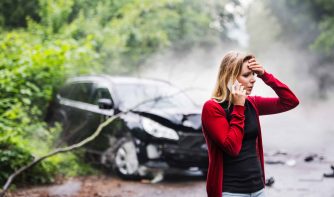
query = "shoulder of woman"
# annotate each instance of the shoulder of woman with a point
(213, 106)
(251, 98)
(211, 103)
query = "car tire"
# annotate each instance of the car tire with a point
(123, 157)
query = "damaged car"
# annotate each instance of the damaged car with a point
(161, 129)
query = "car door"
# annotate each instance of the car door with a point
(97, 115)
(76, 106)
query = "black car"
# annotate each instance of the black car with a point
(163, 132)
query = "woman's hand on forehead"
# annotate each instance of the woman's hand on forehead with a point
(254, 66)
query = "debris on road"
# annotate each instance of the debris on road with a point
(269, 182)
(312, 157)
(331, 174)
(274, 162)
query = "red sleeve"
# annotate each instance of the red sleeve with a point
(285, 101)
(216, 127)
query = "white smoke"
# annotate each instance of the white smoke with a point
(306, 128)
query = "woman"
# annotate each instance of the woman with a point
(230, 122)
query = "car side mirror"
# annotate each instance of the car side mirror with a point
(105, 103)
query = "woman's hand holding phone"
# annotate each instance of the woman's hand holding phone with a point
(238, 93)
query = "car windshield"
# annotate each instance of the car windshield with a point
(158, 95)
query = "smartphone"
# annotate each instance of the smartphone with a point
(229, 84)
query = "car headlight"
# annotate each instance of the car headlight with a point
(158, 130)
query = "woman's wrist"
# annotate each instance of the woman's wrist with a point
(265, 76)
(261, 74)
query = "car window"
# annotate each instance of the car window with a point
(80, 92)
(66, 90)
(158, 95)
(100, 93)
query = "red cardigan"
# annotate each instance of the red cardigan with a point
(221, 136)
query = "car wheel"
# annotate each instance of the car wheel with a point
(123, 157)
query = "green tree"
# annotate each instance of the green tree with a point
(13, 13)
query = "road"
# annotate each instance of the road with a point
(293, 177)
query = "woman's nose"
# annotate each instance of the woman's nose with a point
(252, 80)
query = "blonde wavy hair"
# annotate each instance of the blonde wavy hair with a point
(230, 69)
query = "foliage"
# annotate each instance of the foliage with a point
(310, 22)
(31, 70)
(127, 32)
(13, 13)
(14, 157)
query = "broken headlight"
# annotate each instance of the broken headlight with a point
(158, 130)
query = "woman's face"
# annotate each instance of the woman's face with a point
(246, 78)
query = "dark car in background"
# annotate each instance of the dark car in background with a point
(162, 133)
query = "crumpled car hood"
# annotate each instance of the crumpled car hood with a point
(177, 117)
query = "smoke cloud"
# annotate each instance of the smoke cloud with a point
(305, 128)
